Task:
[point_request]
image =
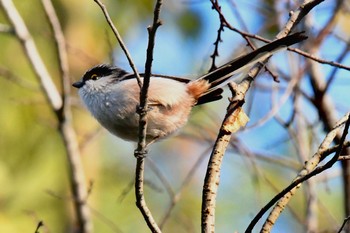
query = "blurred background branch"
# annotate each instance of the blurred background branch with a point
(60, 104)
(260, 159)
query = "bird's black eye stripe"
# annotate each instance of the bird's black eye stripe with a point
(97, 72)
(103, 70)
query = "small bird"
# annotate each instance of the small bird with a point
(112, 95)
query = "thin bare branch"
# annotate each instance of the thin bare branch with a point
(224, 23)
(40, 224)
(140, 197)
(346, 220)
(212, 178)
(323, 102)
(319, 60)
(56, 102)
(310, 169)
(22, 33)
(334, 149)
(301, 52)
(60, 46)
(216, 47)
(247, 35)
(64, 116)
(142, 111)
(120, 41)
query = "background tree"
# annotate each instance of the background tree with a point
(288, 119)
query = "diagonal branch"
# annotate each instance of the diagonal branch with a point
(295, 17)
(120, 41)
(64, 116)
(346, 220)
(59, 105)
(306, 173)
(224, 23)
(22, 33)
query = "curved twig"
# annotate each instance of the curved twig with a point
(306, 173)
(120, 41)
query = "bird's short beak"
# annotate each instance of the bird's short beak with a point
(78, 84)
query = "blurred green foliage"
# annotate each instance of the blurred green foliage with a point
(33, 166)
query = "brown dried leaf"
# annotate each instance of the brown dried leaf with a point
(237, 120)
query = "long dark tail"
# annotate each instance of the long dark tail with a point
(222, 75)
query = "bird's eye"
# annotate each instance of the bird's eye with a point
(94, 77)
